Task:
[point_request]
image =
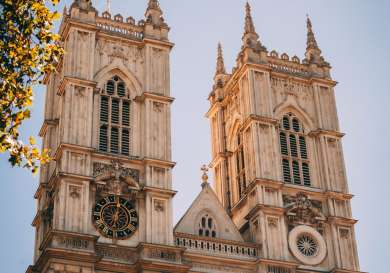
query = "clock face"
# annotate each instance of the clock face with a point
(115, 217)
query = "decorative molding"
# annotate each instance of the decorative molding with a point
(344, 233)
(115, 179)
(300, 210)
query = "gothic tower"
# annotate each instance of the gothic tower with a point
(105, 201)
(278, 160)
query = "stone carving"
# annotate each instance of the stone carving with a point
(273, 222)
(158, 106)
(300, 210)
(115, 253)
(115, 179)
(74, 192)
(159, 205)
(163, 255)
(73, 243)
(344, 233)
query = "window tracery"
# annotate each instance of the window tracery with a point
(207, 226)
(293, 148)
(115, 126)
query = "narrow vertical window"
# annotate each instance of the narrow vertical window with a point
(286, 123)
(110, 87)
(103, 139)
(283, 144)
(121, 89)
(125, 142)
(306, 174)
(115, 122)
(126, 113)
(303, 148)
(293, 146)
(115, 111)
(296, 125)
(293, 150)
(114, 140)
(104, 109)
(240, 167)
(296, 173)
(286, 171)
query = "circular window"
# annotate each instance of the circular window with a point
(307, 245)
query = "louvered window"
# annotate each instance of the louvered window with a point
(286, 171)
(303, 148)
(104, 109)
(103, 138)
(296, 173)
(115, 118)
(283, 144)
(293, 148)
(293, 145)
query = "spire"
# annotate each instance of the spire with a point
(220, 61)
(249, 26)
(250, 37)
(313, 52)
(311, 39)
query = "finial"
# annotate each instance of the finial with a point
(313, 52)
(205, 176)
(311, 39)
(249, 26)
(220, 61)
(108, 6)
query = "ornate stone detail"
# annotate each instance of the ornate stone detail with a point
(115, 179)
(159, 205)
(158, 106)
(163, 255)
(344, 233)
(273, 222)
(74, 192)
(116, 253)
(300, 210)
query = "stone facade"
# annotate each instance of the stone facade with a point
(280, 204)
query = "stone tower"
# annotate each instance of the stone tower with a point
(278, 160)
(105, 201)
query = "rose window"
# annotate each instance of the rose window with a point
(307, 245)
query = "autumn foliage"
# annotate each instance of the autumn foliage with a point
(28, 50)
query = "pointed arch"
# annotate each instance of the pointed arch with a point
(290, 105)
(117, 68)
(231, 135)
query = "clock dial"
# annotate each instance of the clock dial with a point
(115, 217)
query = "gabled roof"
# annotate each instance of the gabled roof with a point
(207, 203)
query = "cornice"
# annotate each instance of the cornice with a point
(159, 43)
(342, 221)
(339, 195)
(259, 119)
(74, 80)
(154, 96)
(287, 264)
(273, 210)
(46, 124)
(319, 132)
(160, 191)
(74, 147)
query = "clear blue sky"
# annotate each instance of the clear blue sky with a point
(354, 38)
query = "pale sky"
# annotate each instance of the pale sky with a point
(354, 38)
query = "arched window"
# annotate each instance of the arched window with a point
(293, 148)
(240, 167)
(115, 127)
(207, 227)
